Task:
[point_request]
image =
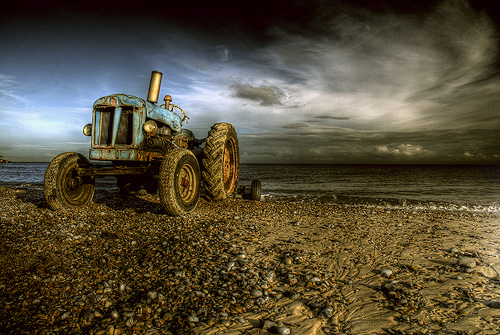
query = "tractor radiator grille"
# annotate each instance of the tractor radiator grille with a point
(112, 130)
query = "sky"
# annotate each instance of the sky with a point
(316, 81)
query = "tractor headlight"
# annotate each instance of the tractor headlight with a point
(87, 130)
(150, 127)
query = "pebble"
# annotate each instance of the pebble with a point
(268, 324)
(466, 262)
(494, 304)
(327, 312)
(386, 272)
(193, 318)
(152, 295)
(198, 270)
(281, 330)
(130, 322)
(115, 315)
(256, 293)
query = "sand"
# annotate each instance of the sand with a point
(121, 266)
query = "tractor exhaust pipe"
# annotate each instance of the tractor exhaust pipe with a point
(154, 86)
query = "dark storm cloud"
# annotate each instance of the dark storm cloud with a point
(329, 117)
(265, 95)
(295, 126)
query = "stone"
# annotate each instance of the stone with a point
(193, 318)
(386, 272)
(256, 293)
(281, 330)
(327, 312)
(152, 295)
(467, 262)
(115, 315)
(268, 324)
(494, 304)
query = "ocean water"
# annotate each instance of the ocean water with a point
(436, 187)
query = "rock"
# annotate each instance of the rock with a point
(115, 315)
(327, 312)
(386, 272)
(256, 293)
(268, 324)
(193, 318)
(454, 250)
(280, 330)
(261, 301)
(152, 295)
(494, 304)
(130, 322)
(467, 262)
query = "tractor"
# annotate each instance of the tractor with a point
(146, 148)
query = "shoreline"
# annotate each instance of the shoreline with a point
(121, 266)
(318, 199)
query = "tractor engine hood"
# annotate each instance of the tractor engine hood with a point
(152, 111)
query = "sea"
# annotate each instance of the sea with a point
(474, 188)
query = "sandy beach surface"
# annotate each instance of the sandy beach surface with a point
(121, 266)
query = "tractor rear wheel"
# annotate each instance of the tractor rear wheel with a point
(63, 188)
(220, 163)
(179, 182)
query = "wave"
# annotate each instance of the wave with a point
(406, 204)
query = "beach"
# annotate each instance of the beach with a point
(121, 266)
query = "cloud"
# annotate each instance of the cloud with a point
(295, 126)
(388, 71)
(265, 95)
(8, 88)
(328, 117)
(223, 52)
(408, 150)
(346, 84)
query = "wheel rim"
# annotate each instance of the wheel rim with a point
(73, 187)
(229, 166)
(186, 183)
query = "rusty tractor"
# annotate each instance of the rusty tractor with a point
(147, 149)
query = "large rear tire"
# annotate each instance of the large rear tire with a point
(220, 163)
(179, 182)
(63, 188)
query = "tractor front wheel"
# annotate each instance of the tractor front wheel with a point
(220, 162)
(179, 182)
(63, 187)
